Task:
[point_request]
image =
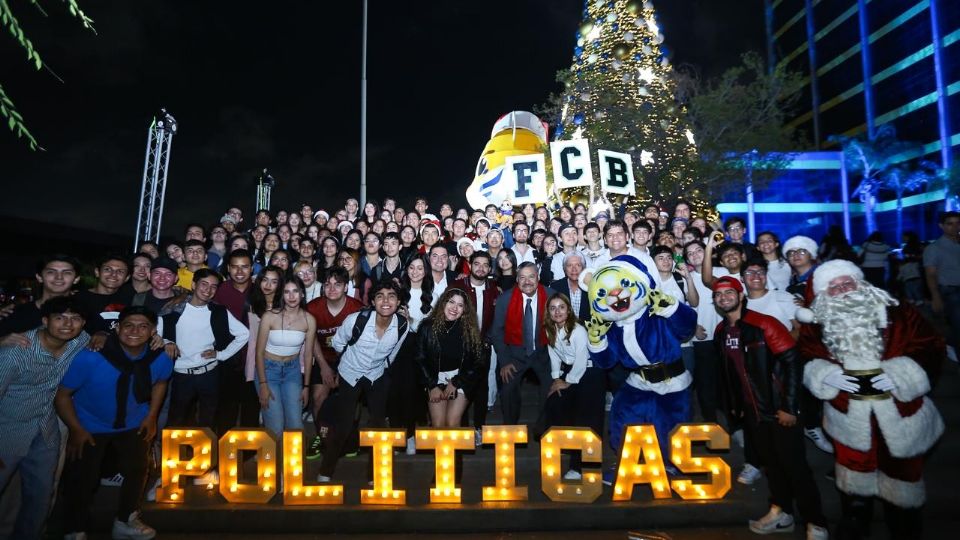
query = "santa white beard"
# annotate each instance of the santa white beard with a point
(853, 323)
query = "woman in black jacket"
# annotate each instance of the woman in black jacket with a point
(448, 353)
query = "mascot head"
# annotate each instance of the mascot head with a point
(619, 289)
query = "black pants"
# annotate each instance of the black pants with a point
(478, 395)
(902, 523)
(706, 374)
(185, 390)
(784, 460)
(347, 398)
(580, 405)
(238, 403)
(81, 478)
(539, 363)
(407, 400)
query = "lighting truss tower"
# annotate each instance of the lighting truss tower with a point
(265, 185)
(154, 186)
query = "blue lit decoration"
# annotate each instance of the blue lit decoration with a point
(578, 50)
(578, 119)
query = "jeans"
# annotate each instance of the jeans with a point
(81, 477)
(285, 383)
(37, 470)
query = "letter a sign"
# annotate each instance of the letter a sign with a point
(526, 176)
(616, 173)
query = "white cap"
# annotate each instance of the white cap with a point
(801, 242)
(831, 270)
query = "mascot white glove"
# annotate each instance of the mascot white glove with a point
(840, 380)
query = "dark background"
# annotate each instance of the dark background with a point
(276, 84)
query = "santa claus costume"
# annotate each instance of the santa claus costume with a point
(874, 362)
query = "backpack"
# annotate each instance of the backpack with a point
(363, 316)
(681, 283)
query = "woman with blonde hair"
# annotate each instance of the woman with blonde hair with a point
(449, 353)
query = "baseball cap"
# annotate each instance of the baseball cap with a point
(727, 282)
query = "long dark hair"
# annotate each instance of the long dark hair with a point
(426, 287)
(438, 324)
(258, 302)
(550, 327)
(303, 294)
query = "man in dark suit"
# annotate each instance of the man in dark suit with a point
(484, 292)
(569, 285)
(520, 341)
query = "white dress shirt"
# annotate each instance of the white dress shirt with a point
(573, 354)
(524, 257)
(370, 355)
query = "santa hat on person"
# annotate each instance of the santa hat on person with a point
(463, 241)
(822, 276)
(801, 242)
(430, 220)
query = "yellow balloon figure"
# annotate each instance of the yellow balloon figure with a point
(517, 133)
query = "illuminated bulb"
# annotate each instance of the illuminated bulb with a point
(384, 493)
(250, 437)
(446, 450)
(446, 492)
(397, 436)
(489, 434)
(453, 435)
(655, 471)
(715, 469)
(175, 478)
(171, 463)
(189, 434)
(295, 492)
(232, 455)
(649, 440)
(683, 487)
(579, 491)
(549, 439)
(233, 471)
(309, 492)
(651, 455)
(626, 453)
(686, 429)
(619, 490)
(385, 483)
(233, 439)
(296, 441)
(677, 459)
(590, 451)
(175, 435)
(384, 462)
(383, 437)
(706, 429)
(323, 492)
(637, 429)
(336, 493)
(560, 490)
(521, 435)
(396, 495)
(697, 461)
(548, 454)
(503, 433)
(385, 472)
(677, 444)
(189, 466)
(267, 456)
(550, 471)
(233, 488)
(205, 464)
(439, 436)
(174, 496)
(628, 438)
(424, 436)
(503, 491)
(569, 434)
(294, 461)
(206, 450)
(592, 478)
(266, 487)
(622, 472)
(489, 491)
(506, 470)
(504, 481)
(385, 451)
(503, 459)
(505, 446)
(659, 486)
(296, 472)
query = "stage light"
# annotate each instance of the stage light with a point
(294, 490)
(382, 442)
(445, 443)
(644, 445)
(584, 491)
(505, 439)
(716, 438)
(231, 487)
(172, 443)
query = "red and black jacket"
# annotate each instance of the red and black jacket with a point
(490, 294)
(772, 365)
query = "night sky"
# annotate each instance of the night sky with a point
(276, 84)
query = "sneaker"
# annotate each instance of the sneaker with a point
(819, 439)
(776, 521)
(114, 481)
(477, 438)
(411, 446)
(322, 479)
(573, 475)
(749, 475)
(951, 353)
(75, 536)
(816, 532)
(316, 449)
(607, 401)
(737, 438)
(133, 529)
(353, 454)
(211, 478)
(152, 492)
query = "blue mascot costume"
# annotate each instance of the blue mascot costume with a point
(635, 324)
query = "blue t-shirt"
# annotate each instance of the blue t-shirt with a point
(94, 381)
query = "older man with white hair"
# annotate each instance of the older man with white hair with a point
(873, 362)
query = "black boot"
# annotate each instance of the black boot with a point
(857, 515)
(903, 523)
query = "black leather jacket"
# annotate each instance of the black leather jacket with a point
(427, 358)
(772, 365)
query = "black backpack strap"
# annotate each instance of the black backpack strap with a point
(680, 283)
(359, 324)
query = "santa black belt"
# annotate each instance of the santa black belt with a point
(660, 371)
(866, 391)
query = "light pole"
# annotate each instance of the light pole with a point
(363, 114)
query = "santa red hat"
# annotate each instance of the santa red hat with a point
(430, 220)
(831, 270)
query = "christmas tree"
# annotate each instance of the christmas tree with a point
(620, 96)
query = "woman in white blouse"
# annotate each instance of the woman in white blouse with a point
(576, 396)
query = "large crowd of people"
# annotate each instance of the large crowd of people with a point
(426, 317)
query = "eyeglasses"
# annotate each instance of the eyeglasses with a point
(755, 272)
(797, 253)
(734, 228)
(842, 287)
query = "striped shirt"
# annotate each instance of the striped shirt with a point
(28, 383)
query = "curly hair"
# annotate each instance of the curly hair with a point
(439, 325)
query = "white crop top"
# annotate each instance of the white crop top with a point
(285, 342)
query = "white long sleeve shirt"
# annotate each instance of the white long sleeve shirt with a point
(195, 335)
(574, 354)
(370, 355)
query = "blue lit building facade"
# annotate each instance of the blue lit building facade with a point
(866, 63)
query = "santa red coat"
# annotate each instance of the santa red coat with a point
(880, 443)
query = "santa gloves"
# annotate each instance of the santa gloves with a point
(840, 380)
(883, 383)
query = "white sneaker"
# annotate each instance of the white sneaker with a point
(573, 475)
(322, 479)
(951, 353)
(749, 475)
(477, 438)
(75, 536)
(211, 478)
(737, 438)
(816, 532)
(607, 401)
(133, 529)
(411, 446)
(776, 521)
(152, 492)
(819, 439)
(114, 481)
